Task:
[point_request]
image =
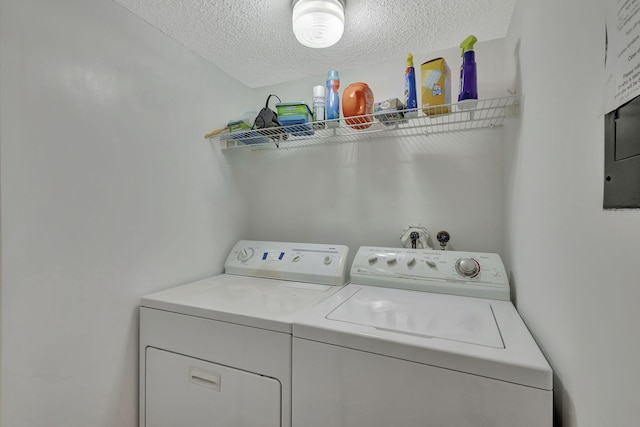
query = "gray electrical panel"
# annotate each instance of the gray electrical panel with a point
(622, 157)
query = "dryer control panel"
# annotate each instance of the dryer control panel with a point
(299, 262)
(472, 274)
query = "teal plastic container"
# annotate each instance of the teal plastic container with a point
(295, 118)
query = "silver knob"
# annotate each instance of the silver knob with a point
(373, 259)
(467, 267)
(392, 261)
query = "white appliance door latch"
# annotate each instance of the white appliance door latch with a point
(206, 379)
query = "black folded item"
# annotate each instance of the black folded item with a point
(267, 118)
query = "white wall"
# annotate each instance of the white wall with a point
(365, 193)
(574, 264)
(109, 192)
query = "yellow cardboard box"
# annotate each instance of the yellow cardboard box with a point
(436, 87)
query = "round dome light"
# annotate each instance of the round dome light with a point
(318, 23)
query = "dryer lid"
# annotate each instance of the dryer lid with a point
(423, 315)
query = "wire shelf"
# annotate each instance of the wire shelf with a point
(440, 119)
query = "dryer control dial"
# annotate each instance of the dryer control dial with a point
(245, 254)
(467, 267)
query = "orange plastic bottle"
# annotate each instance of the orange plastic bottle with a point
(357, 102)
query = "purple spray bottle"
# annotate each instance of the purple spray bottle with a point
(468, 96)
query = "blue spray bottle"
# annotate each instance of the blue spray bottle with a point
(333, 98)
(410, 97)
(468, 74)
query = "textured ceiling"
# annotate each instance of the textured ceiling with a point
(252, 40)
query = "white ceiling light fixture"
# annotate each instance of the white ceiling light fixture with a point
(318, 23)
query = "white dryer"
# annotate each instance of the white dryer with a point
(419, 338)
(217, 352)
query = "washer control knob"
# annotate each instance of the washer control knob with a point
(411, 262)
(431, 263)
(392, 260)
(467, 267)
(245, 254)
(296, 258)
(373, 259)
(327, 260)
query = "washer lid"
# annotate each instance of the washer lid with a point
(457, 332)
(423, 315)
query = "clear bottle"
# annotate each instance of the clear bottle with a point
(319, 102)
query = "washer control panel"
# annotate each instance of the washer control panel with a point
(473, 274)
(300, 262)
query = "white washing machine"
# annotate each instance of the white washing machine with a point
(419, 338)
(217, 352)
